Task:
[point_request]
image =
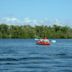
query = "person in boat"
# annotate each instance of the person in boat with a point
(44, 40)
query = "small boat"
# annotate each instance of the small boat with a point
(44, 41)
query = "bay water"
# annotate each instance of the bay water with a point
(24, 55)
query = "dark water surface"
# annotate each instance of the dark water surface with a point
(23, 55)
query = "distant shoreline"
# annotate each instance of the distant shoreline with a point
(29, 32)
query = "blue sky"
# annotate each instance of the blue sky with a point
(49, 10)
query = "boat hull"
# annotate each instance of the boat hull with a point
(42, 43)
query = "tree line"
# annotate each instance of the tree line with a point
(27, 31)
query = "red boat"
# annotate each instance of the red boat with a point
(43, 42)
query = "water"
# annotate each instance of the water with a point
(23, 55)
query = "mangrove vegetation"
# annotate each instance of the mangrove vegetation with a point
(27, 31)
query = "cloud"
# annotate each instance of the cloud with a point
(35, 21)
(27, 20)
(10, 19)
(5, 19)
(32, 22)
(14, 19)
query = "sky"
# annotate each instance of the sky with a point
(36, 11)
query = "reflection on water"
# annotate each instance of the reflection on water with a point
(23, 55)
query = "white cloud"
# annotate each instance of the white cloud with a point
(14, 19)
(27, 20)
(35, 21)
(10, 19)
(5, 19)
(32, 22)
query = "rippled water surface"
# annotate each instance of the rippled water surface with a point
(23, 55)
